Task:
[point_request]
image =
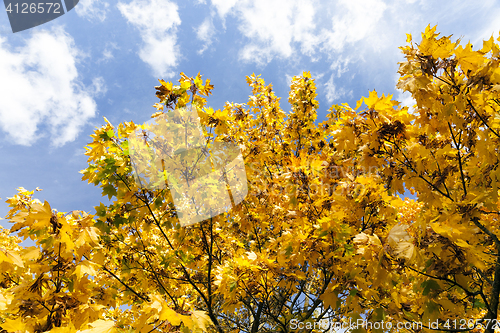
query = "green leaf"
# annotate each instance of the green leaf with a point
(100, 210)
(479, 304)
(349, 249)
(119, 220)
(323, 233)
(430, 285)
(109, 190)
(378, 314)
(430, 307)
(102, 226)
(158, 201)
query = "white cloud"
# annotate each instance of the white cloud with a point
(98, 86)
(205, 33)
(92, 9)
(406, 99)
(41, 90)
(157, 21)
(340, 64)
(278, 28)
(333, 92)
(492, 28)
(355, 21)
(362, 30)
(271, 26)
(225, 6)
(107, 54)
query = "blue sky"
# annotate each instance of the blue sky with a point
(104, 58)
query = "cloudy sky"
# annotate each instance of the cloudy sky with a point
(103, 59)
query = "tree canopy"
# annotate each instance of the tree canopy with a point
(324, 235)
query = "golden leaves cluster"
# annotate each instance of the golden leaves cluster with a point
(323, 231)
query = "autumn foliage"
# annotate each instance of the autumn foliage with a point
(325, 232)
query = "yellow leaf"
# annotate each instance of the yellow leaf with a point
(361, 239)
(82, 239)
(405, 250)
(42, 211)
(330, 298)
(4, 301)
(30, 253)
(100, 326)
(189, 323)
(167, 85)
(66, 329)
(66, 238)
(429, 32)
(173, 317)
(99, 258)
(85, 267)
(462, 243)
(201, 319)
(252, 256)
(395, 298)
(107, 121)
(471, 258)
(93, 233)
(3, 257)
(495, 78)
(487, 45)
(443, 231)
(468, 59)
(397, 234)
(11, 257)
(13, 325)
(156, 302)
